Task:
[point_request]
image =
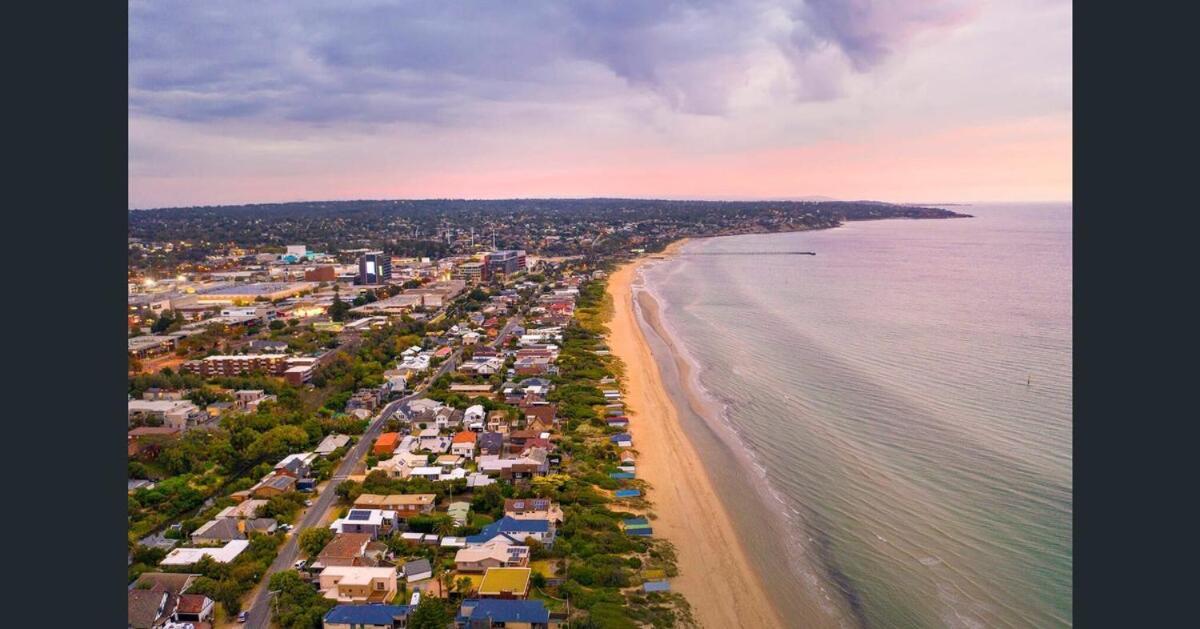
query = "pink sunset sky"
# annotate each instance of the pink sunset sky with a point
(956, 101)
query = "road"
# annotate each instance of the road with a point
(259, 610)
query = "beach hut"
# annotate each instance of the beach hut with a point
(627, 493)
(621, 475)
(656, 586)
(637, 526)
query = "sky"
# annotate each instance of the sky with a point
(904, 101)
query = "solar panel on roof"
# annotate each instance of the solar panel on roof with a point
(359, 515)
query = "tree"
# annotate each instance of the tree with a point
(299, 605)
(339, 308)
(277, 324)
(314, 539)
(463, 585)
(163, 322)
(431, 613)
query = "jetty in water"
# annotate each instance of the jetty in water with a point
(751, 253)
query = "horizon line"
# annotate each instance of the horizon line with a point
(796, 199)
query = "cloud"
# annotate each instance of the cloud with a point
(439, 62)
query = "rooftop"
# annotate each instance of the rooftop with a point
(498, 580)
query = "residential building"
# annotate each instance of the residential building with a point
(386, 444)
(418, 570)
(463, 444)
(497, 554)
(273, 485)
(193, 608)
(296, 465)
(493, 613)
(238, 365)
(533, 509)
(330, 443)
(177, 414)
(219, 531)
(149, 609)
(403, 505)
(189, 556)
(505, 583)
(373, 616)
(347, 549)
(358, 584)
(514, 531)
(374, 522)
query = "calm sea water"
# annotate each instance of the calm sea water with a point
(888, 421)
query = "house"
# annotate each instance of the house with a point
(174, 583)
(474, 414)
(533, 509)
(491, 443)
(149, 609)
(400, 465)
(533, 462)
(189, 556)
(495, 421)
(296, 465)
(418, 570)
(249, 399)
(463, 444)
(243, 510)
(177, 414)
(218, 531)
(508, 528)
(373, 616)
(429, 473)
(273, 485)
(386, 444)
(371, 521)
(403, 505)
(433, 442)
(505, 583)
(448, 462)
(346, 549)
(330, 443)
(358, 584)
(492, 613)
(498, 554)
(193, 608)
(540, 417)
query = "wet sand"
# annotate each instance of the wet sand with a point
(714, 572)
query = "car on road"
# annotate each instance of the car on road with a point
(308, 503)
(243, 616)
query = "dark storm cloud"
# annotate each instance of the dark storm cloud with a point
(433, 61)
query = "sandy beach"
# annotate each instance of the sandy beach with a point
(715, 574)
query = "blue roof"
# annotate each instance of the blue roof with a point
(621, 475)
(656, 586)
(509, 525)
(621, 437)
(627, 493)
(501, 610)
(376, 614)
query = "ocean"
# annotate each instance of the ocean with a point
(889, 421)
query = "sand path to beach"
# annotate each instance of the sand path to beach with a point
(714, 573)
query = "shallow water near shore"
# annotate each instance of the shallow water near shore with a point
(888, 422)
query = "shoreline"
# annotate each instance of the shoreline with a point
(715, 573)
